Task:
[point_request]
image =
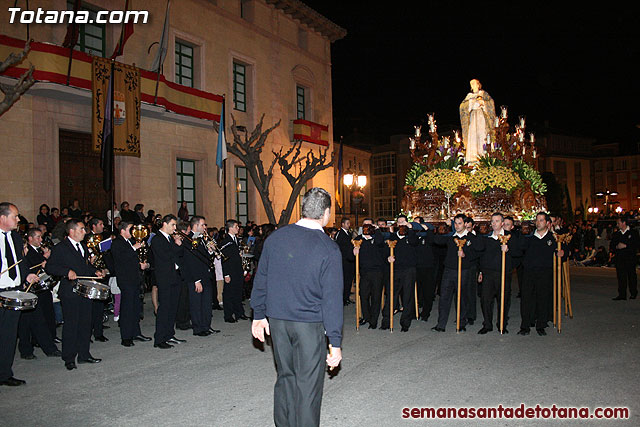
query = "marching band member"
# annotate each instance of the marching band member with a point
(11, 253)
(37, 254)
(624, 244)
(96, 228)
(343, 239)
(128, 271)
(70, 259)
(233, 274)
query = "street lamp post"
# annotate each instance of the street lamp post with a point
(355, 181)
(606, 194)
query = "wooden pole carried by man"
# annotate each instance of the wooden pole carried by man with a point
(356, 244)
(392, 245)
(503, 241)
(460, 243)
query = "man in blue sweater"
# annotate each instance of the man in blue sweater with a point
(298, 286)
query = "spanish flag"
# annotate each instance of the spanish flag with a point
(311, 132)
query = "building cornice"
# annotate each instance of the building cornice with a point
(303, 13)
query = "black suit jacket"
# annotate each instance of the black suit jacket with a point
(33, 257)
(127, 264)
(195, 266)
(233, 265)
(343, 239)
(166, 255)
(18, 244)
(65, 257)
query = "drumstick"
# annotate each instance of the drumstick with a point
(9, 268)
(38, 265)
(88, 278)
(30, 285)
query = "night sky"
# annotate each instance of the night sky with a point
(575, 69)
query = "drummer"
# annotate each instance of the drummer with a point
(70, 260)
(11, 276)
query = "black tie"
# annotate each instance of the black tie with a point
(79, 250)
(13, 272)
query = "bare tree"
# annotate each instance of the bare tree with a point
(13, 92)
(248, 148)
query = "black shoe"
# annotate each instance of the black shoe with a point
(142, 338)
(56, 353)
(505, 331)
(424, 319)
(102, 338)
(372, 326)
(483, 331)
(217, 307)
(470, 321)
(633, 296)
(619, 298)
(462, 329)
(202, 334)
(243, 317)
(214, 331)
(90, 360)
(174, 340)
(106, 327)
(163, 345)
(384, 328)
(541, 331)
(346, 303)
(28, 357)
(230, 320)
(404, 329)
(437, 329)
(523, 332)
(362, 322)
(13, 382)
(127, 343)
(70, 365)
(57, 340)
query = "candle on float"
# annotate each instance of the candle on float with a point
(503, 110)
(522, 120)
(457, 135)
(446, 141)
(524, 148)
(418, 131)
(534, 153)
(496, 123)
(412, 143)
(532, 137)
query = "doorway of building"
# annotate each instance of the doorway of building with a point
(80, 174)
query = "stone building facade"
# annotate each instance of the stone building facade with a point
(268, 57)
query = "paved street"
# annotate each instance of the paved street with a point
(224, 380)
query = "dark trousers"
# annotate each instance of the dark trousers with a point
(536, 298)
(167, 307)
(76, 331)
(348, 274)
(33, 325)
(470, 295)
(45, 303)
(491, 292)
(448, 290)
(425, 277)
(183, 316)
(299, 351)
(404, 282)
(627, 277)
(129, 310)
(232, 299)
(200, 306)
(370, 295)
(8, 332)
(97, 314)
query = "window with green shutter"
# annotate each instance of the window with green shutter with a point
(184, 64)
(186, 184)
(239, 87)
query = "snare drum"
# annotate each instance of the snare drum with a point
(91, 289)
(18, 300)
(44, 283)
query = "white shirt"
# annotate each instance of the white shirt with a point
(308, 223)
(539, 236)
(76, 244)
(625, 230)
(169, 239)
(5, 280)
(495, 236)
(461, 235)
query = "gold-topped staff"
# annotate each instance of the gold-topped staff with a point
(503, 241)
(555, 290)
(567, 288)
(356, 244)
(460, 243)
(416, 298)
(560, 239)
(392, 245)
